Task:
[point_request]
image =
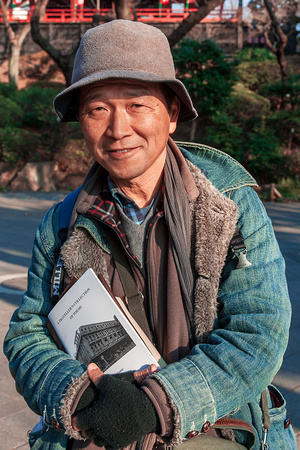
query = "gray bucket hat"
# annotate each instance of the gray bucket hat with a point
(122, 49)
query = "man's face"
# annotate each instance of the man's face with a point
(126, 126)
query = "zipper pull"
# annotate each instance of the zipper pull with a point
(242, 258)
(264, 445)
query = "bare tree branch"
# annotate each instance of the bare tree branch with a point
(205, 6)
(269, 44)
(64, 60)
(282, 39)
(37, 16)
(268, 18)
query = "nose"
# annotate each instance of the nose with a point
(119, 124)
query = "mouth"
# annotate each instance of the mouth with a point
(121, 151)
(125, 150)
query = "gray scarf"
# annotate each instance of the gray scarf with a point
(177, 215)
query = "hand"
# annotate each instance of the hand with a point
(121, 414)
(89, 396)
(91, 393)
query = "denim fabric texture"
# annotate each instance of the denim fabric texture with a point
(223, 376)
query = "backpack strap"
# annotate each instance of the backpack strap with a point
(64, 222)
(66, 214)
(133, 295)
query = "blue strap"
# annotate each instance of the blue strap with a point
(67, 209)
(64, 222)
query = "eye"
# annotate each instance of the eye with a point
(98, 108)
(137, 106)
(97, 111)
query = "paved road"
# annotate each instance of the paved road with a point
(20, 214)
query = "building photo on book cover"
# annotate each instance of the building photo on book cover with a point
(103, 343)
(92, 327)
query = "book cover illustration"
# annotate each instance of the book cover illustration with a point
(103, 343)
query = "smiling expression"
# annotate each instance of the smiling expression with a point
(126, 125)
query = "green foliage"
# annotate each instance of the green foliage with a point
(286, 125)
(256, 67)
(254, 54)
(243, 130)
(248, 102)
(28, 127)
(7, 90)
(225, 134)
(241, 117)
(37, 106)
(250, 142)
(285, 118)
(17, 144)
(285, 93)
(206, 73)
(285, 115)
(263, 156)
(289, 188)
(255, 74)
(10, 112)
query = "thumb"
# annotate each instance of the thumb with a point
(94, 373)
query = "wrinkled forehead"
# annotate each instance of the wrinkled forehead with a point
(129, 88)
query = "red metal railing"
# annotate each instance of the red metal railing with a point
(80, 14)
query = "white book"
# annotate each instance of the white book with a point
(92, 327)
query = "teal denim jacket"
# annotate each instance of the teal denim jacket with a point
(223, 376)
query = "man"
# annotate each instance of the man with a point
(220, 324)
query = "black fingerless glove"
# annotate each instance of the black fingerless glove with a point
(91, 393)
(120, 415)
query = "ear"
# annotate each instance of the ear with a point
(174, 113)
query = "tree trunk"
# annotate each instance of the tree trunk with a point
(13, 63)
(15, 44)
(15, 50)
(205, 6)
(64, 61)
(123, 9)
(66, 64)
(282, 59)
(278, 49)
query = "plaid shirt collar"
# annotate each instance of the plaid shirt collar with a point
(104, 210)
(130, 208)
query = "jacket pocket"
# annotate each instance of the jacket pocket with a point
(33, 437)
(281, 434)
(43, 437)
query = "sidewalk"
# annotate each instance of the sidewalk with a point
(286, 223)
(20, 215)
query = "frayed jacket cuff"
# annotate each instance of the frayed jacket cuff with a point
(69, 404)
(166, 410)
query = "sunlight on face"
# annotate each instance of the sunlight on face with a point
(126, 126)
